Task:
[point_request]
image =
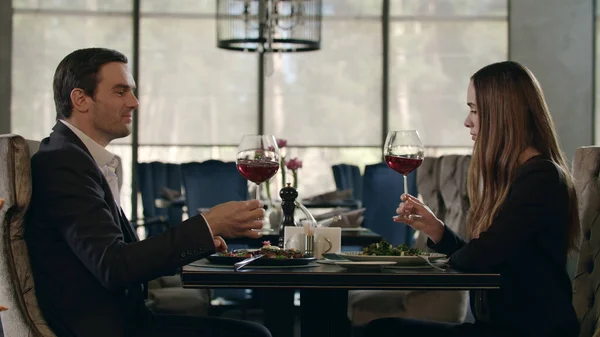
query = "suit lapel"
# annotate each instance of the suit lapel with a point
(116, 211)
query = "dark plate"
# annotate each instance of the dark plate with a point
(264, 261)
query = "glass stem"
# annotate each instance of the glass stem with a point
(405, 184)
(257, 191)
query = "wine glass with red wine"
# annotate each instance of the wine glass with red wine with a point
(258, 159)
(403, 152)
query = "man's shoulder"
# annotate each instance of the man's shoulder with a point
(58, 152)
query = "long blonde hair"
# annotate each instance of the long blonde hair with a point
(513, 116)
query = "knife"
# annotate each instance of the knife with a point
(241, 264)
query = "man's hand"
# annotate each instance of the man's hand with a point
(220, 244)
(236, 218)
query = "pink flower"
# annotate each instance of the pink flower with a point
(266, 243)
(293, 164)
(281, 143)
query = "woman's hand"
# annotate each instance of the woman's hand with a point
(425, 222)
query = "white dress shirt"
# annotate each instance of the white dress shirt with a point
(106, 161)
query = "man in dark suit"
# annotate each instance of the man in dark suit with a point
(89, 267)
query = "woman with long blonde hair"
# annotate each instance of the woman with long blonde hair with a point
(523, 220)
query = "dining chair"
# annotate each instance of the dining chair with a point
(17, 290)
(586, 285)
(382, 188)
(166, 294)
(210, 183)
(442, 186)
(154, 178)
(348, 176)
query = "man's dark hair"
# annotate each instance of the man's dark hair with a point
(80, 70)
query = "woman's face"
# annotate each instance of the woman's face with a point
(472, 120)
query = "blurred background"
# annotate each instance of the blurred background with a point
(383, 65)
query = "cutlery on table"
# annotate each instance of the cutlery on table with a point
(410, 216)
(426, 258)
(239, 265)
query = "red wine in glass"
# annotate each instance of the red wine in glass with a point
(257, 171)
(403, 165)
(258, 159)
(403, 153)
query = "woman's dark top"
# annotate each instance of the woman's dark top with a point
(527, 245)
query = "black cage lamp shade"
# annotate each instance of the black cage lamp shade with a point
(269, 25)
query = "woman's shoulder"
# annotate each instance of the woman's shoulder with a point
(539, 169)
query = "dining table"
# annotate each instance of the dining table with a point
(324, 289)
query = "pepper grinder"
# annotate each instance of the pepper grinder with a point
(288, 196)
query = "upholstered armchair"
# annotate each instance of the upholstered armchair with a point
(442, 183)
(17, 292)
(586, 297)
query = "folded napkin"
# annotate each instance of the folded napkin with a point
(331, 196)
(332, 213)
(350, 219)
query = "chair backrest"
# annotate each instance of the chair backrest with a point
(210, 183)
(382, 188)
(442, 183)
(348, 177)
(17, 291)
(586, 296)
(152, 178)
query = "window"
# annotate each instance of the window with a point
(197, 100)
(192, 93)
(44, 32)
(435, 47)
(327, 103)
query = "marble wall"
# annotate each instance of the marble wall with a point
(555, 39)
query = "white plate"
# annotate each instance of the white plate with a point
(325, 261)
(400, 260)
(364, 265)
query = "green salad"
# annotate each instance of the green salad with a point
(385, 248)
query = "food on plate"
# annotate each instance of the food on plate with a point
(271, 252)
(384, 248)
(267, 246)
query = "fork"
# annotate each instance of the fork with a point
(410, 217)
(426, 258)
(239, 265)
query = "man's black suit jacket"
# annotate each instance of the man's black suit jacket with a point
(89, 267)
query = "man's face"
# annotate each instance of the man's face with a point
(111, 110)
